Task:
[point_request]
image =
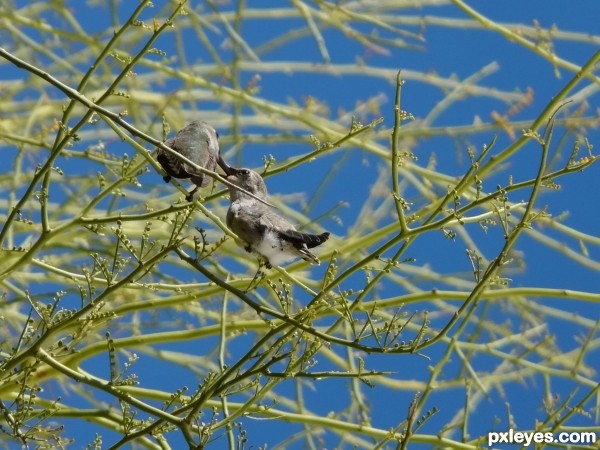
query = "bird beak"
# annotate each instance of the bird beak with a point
(227, 169)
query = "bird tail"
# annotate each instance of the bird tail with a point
(308, 256)
(312, 240)
(299, 238)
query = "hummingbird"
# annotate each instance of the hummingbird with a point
(199, 142)
(262, 230)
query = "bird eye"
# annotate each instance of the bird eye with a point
(245, 172)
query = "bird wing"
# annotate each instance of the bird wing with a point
(171, 163)
(273, 221)
(199, 148)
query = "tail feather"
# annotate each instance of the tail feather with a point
(316, 239)
(299, 238)
(308, 256)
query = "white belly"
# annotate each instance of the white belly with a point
(274, 250)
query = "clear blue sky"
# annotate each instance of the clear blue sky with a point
(446, 51)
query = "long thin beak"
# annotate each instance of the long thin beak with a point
(227, 169)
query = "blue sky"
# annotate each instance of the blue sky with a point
(446, 52)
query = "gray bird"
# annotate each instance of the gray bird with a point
(263, 230)
(198, 142)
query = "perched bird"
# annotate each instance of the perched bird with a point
(198, 142)
(263, 230)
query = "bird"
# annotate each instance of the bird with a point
(264, 231)
(199, 142)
